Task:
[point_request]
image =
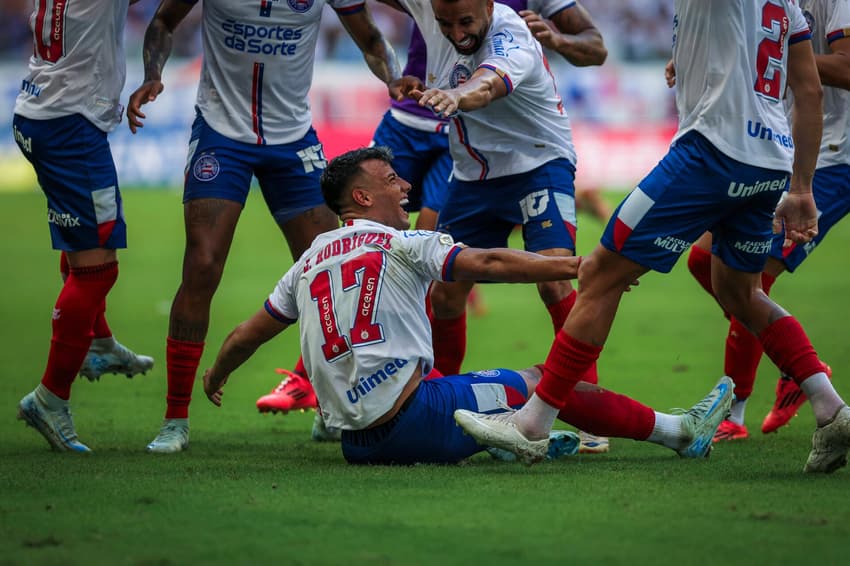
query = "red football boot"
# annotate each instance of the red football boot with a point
(293, 393)
(789, 398)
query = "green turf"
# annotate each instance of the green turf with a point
(254, 488)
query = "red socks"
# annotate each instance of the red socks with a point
(182, 360)
(786, 344)
(83, 293)
(448, 337)
(605, 413)
(568, 360)
(559, 312)
(101, 328)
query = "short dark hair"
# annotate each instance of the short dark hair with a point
(338, 174)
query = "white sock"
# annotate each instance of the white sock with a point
(823, 397)
(49, 399)
(536, 418)
(667, 430)
(736, 413)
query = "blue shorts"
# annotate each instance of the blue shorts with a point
(831, 189)
(219, 167)
(424, 430)
(73, 162)
(483, 214)
(695, 189)
(420, 158)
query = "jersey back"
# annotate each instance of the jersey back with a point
(358, 294)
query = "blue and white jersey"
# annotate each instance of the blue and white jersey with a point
(731, 59)
(516, 133)
(78, 64)
(358, 295)
(258, 66)
(829, 20)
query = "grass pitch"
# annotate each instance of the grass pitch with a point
(254, 488)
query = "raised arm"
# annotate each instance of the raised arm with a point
(571, 33)
(240, 345)
(378, 52)
(512, 266)
(155, 52)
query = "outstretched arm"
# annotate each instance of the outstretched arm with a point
(571, 33)
(483, 87)
(240, 345)
(512, 266)
(155, 52)
(377, 51)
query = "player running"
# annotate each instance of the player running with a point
(828, 21)
(725, 172)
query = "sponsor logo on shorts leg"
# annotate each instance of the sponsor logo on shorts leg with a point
(206, 168)
(671, 244)
(23, 141)
(751, 247)
(741, 190)
(62, 219)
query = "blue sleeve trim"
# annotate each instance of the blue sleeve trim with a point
(275, 314)
(802, 36)
(449, 264)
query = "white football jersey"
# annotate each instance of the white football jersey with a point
(359, 295)
(830, 20)
(258, 66)
(78, 64)
(731, 60)
(516, 133)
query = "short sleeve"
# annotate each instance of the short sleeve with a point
(838, 25)
(511, 54)
(431, 254)
(281, 303)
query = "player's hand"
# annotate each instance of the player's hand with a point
(540, 28)
(212, 386)
(670, 74)
(444, 103)
(142, 95)
(798, 215)
(401, 88)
